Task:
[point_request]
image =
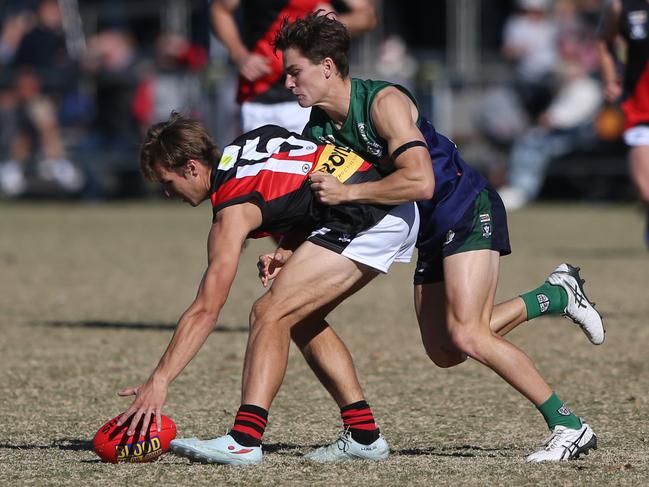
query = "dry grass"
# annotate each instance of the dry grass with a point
(89, 297)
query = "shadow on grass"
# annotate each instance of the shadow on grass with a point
(454, 451)
(120, 325)
(66, 444)
(446, 451)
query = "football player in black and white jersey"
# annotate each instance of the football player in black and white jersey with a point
(259, 185)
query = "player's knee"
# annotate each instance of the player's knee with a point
(261, 315)
(467, 341)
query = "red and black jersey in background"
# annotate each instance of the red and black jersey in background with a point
(634, 28)
(260, 21)
(270, 166)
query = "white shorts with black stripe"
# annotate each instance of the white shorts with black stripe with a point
(392, 239)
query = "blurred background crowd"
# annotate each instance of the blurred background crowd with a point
(514, 82)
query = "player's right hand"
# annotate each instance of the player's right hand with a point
(612, 91)
(270, 265)
(254, 66)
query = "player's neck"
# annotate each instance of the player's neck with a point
(336, 105)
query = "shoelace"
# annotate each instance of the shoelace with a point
(343, 440)
(552, 440)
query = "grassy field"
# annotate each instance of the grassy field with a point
(89, 296)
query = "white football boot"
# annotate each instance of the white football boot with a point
(346, 448)
(580, 310)
(565, 444)
(223, 450)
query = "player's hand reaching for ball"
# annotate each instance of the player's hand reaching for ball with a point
(327, 189)
(149, 399)
(269, 265)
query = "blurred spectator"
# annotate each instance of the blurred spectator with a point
(530, 41)
(395, 62)
(13, 30)
(43, 48)
(261, 93)
(113, 131)
(565, 126)
(173, 83)
(42, 71)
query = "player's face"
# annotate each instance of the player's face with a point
(307, 81)
(180, 183)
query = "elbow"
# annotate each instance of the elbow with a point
(425, 190)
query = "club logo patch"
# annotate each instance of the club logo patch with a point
(486, 230)
(544, 302)
(450, 235)
(564, 411)
(372, 147)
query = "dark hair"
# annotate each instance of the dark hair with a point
(317, 37)
(173, 143)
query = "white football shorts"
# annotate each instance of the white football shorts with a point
(637, 136)
(391, 240)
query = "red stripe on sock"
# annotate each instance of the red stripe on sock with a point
(252, 418)
(359, 419)
(247, 430)
(356, 412)
(367, 417)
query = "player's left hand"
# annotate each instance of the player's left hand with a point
(327, 189)
(149, 399)
(269, 265)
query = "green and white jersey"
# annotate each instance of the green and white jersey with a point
(357, 133)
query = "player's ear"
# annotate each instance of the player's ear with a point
(191, 167)
(328, 67)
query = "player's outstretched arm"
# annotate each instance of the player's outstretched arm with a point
(607, 35)
(394, 116)
(227, 235)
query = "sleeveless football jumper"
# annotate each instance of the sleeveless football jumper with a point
(456, 183)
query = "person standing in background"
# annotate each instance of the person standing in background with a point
(261, 92)
(629, 20)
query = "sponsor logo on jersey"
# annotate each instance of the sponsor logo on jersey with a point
(638, 23)
(486, 230)
(485, 217)
(339, 162)
(450, 235)
(372, 147)
(564, 410)
(544, 302)
(229, 157)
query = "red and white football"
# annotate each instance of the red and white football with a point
(113, 445)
